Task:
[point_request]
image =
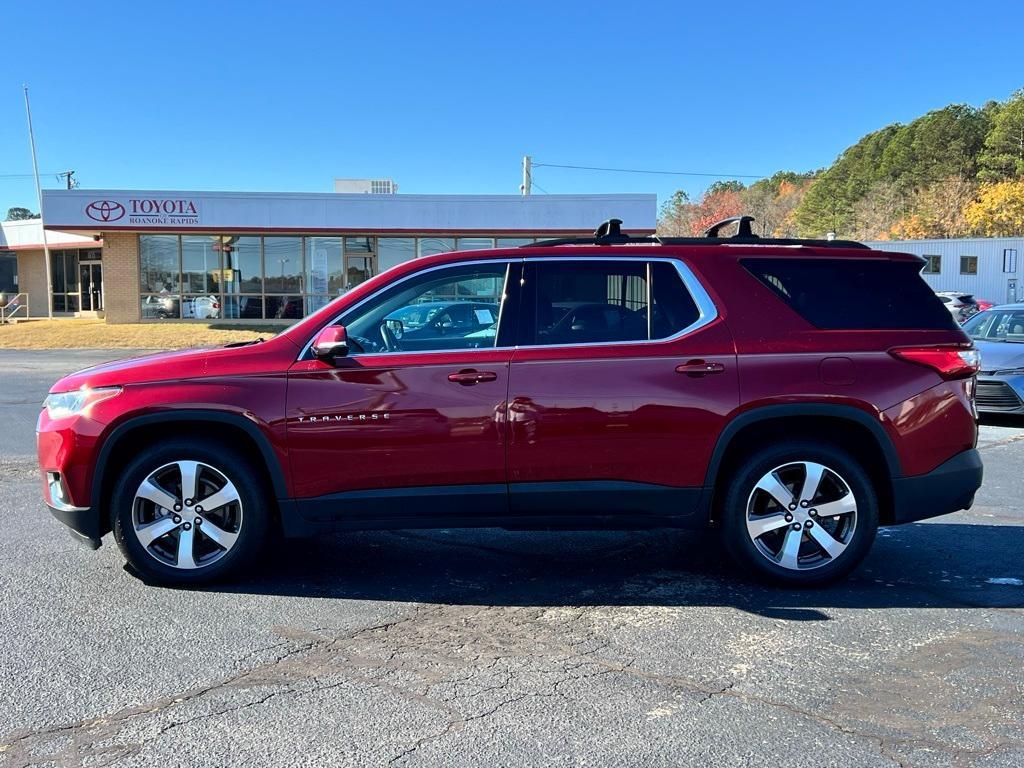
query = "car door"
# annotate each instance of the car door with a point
(619, 387)
(391, 432)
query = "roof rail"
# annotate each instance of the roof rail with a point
(610, 233)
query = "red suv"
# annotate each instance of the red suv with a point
(795, 394)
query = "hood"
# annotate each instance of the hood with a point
(271, 355)
(999, 355)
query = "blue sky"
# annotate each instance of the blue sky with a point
(447, 97)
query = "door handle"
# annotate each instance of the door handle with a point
(697, 368)
(469, 377)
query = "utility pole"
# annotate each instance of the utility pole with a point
(39, 198)
(68, 176)
(527, 175)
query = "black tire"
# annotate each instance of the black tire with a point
(739, 487)
(252, 529)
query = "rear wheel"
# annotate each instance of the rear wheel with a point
(185, 513)
(799, 513)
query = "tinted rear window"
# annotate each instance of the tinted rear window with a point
(854, 294)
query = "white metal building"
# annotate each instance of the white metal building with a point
(987, 267)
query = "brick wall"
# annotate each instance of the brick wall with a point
(121, 277)
(32, 280)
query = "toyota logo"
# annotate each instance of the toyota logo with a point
(104, 210)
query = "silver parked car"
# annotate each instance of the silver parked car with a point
(998, 334)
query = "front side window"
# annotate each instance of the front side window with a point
(594, 302)
(438, 310)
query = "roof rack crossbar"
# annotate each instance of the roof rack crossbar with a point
(610, 233)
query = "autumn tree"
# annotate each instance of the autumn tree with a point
(722, 200)
(772, 202)
(998, 210)
(937, 211)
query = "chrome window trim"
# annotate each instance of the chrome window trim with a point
(707, 311)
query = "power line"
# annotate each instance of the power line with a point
(653, 172)
(25, 175)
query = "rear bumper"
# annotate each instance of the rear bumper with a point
(947, 488)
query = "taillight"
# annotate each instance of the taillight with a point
(948, 362)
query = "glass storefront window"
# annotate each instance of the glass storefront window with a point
(284, 307)
(200, 263)
(160, 307)
(243, 269)
(474, 243)
(428, 246)
(57, 274)
(282, 264)
(394, 250)
(159, 263)
(270, 277)
(358, 269)
(324, 272)
(358, 245)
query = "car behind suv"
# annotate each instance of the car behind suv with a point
(793, 394)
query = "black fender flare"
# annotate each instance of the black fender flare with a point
(196, 414)
(789, 410)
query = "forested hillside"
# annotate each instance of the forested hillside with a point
(954, 172)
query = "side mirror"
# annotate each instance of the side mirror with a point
(330, 343)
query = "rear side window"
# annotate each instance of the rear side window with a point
(854, 294)
(594, 302)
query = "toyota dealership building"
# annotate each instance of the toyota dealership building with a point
(134, 256)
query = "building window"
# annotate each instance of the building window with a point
(64, 274)
(474, 243)
(932, 265)
(428, 246)
(968, 265)
(394, 250)
(267, 277)
(8, 272)
(1010, 260)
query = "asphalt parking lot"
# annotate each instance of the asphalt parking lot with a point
(493, 648)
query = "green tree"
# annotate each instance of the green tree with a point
(1003, 155)
(20, 214)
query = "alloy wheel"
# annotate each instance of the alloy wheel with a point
(801, 515)
(187, 514)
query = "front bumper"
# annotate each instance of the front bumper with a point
(1000, 394)
(82, 522)
(947, 488)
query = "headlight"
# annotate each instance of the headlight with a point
(1009, 372)
(64, 404)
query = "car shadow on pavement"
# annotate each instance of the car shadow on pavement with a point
(934, 565)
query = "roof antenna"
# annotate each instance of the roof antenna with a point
(744, 229)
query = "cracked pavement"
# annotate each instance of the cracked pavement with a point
(488, 648)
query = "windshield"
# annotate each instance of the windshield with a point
(997, 325)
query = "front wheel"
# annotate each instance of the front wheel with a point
(188, 513)
(800, 514)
